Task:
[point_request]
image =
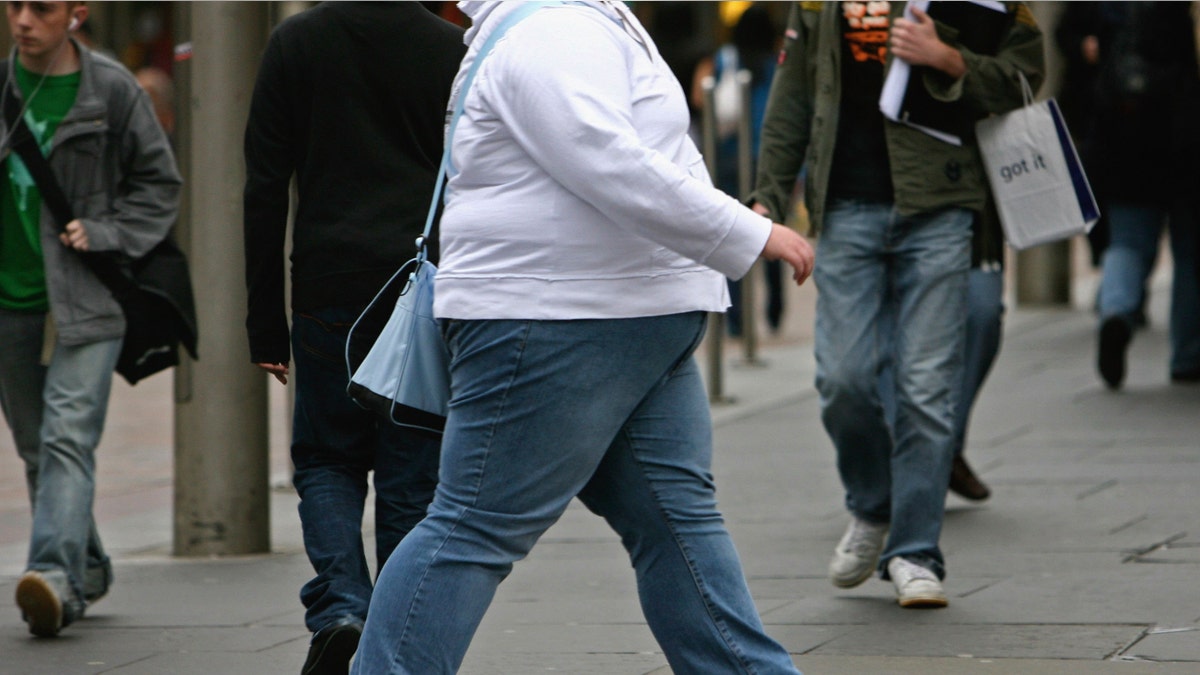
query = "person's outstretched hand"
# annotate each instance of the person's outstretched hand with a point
(278, 370)
(789, 245)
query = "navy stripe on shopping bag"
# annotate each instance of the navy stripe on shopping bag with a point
(1083, 191)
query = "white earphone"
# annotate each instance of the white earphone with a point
(74, 23)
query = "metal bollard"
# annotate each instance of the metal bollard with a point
(745, 160)
(716, 320)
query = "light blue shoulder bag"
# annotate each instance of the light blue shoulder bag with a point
(404, 374)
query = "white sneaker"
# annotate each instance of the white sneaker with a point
(916, 586)
(857, 554)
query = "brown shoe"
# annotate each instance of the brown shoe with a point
(964, 482)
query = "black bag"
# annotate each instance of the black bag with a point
(155, 294)
(154, 291)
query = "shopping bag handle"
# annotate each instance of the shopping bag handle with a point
(1026, 90)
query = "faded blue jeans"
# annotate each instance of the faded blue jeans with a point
(985, 328)
(335, 445)
(613, 411)
(57, 413)
(893, 289)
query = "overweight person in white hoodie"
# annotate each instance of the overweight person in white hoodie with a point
(582, 244)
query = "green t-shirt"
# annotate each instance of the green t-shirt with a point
(22, 276)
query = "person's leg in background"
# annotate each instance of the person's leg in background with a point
(773, 269)
(333, 447)
(406, 472)
(932, 259)
(985, 324)
(852, 347)
(733, 314)
(22, 382)
(1128, 260)
(52, 593)
(1185, 291)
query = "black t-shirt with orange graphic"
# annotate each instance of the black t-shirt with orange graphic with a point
(860, 166)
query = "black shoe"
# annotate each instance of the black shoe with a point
(1115, 334)
(332, 647)
(964, 482)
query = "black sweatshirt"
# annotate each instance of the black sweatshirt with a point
(350, 98)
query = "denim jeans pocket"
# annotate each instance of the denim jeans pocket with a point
(322, 334)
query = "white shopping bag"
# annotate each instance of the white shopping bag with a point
(1037, 180)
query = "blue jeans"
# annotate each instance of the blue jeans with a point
(613, 411)
(893, 289)
(335, 444)
(1127, 262)
(985, 323)
(57, 413)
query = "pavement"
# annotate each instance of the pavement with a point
(1084, 560)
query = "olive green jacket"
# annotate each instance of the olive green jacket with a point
(927, 174)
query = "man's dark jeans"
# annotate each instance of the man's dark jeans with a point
(335, 443)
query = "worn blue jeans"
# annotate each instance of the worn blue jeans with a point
(1129, 258)
(335, 445)
(893, 289)
(985, 326)
(57, 413)
(613, 411)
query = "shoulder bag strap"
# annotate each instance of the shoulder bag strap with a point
(509, 21)
(26, 146)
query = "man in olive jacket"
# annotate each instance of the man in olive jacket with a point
(894, 208)
(60, 327)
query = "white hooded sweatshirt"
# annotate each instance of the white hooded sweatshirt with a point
(575, 191)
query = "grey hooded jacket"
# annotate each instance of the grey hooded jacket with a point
(116, 167)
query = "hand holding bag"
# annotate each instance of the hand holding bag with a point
(402, 370)
(1037, 180)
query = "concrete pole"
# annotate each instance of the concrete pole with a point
(222, 502)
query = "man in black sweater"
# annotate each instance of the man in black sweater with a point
(350, 99)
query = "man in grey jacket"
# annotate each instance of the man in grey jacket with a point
(60, 326)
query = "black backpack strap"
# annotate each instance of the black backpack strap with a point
(23, 143)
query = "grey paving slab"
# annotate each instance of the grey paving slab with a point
(1168, 644)
(896, 665)
(574, 664)
(208, 663)
(108, 640)
(567, 638)
(1059, 641)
